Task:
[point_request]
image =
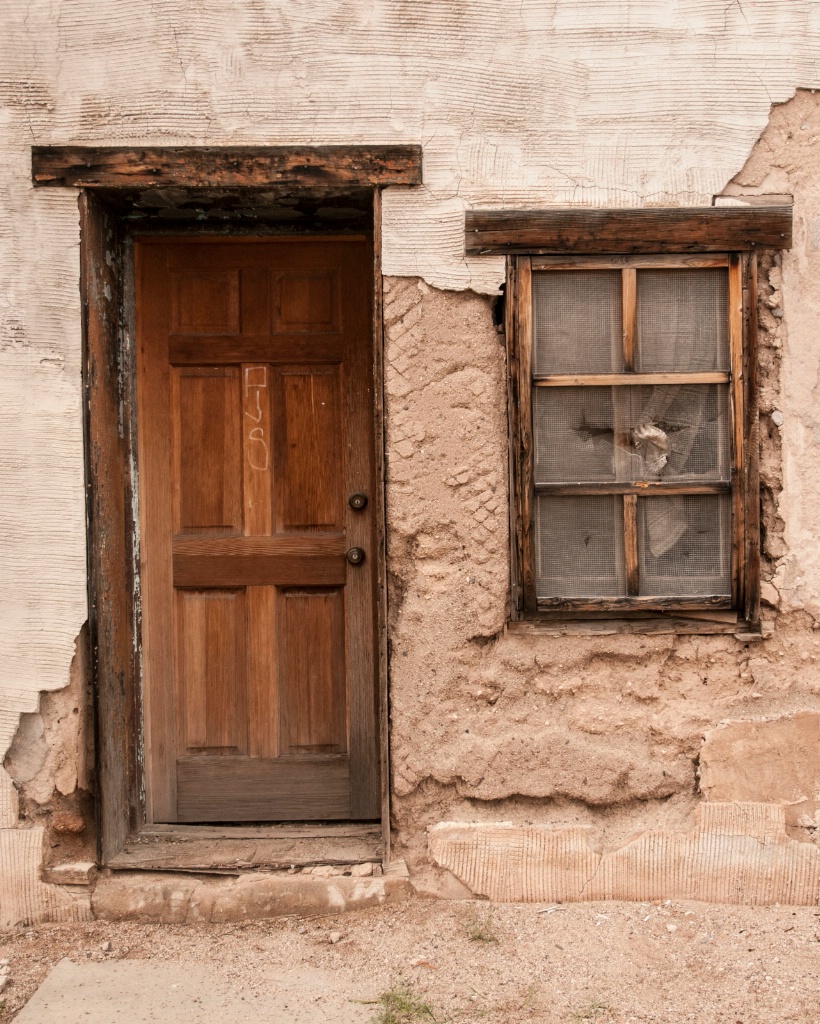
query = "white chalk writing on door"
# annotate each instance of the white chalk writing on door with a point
(256, 382)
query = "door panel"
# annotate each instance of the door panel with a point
(309, 464)
(255, 423)
(311, 652)
(205, 401)
(306, 302)
(205, 302)
(210, 634)
(232, 788)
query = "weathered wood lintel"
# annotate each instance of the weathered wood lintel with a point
(224, 166)
(645, 230)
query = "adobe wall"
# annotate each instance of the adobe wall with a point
(619, 734)
(586, 102)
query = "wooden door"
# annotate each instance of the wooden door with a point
(255, 412)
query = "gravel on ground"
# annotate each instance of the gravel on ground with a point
(610, 963)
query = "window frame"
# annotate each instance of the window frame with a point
(742, 609)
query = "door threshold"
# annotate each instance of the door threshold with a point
(236, 849)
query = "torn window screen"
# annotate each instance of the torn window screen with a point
(590, 434)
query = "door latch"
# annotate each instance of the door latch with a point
(355, 556)
(357, 501)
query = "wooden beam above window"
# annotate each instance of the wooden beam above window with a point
(224, 166)
(645, 230)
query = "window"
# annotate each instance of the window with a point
(634, 484)
(633, 407)
(633, 410)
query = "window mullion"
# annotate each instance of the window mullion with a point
(524, 313)
(631, 544)
(564, 380)
(629, 292)
(736, 392)
(751, 470)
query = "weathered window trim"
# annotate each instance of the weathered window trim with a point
(551, 244)
(649, 230)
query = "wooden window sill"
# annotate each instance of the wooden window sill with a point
(658, 624)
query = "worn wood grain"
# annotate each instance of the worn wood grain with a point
(237, 849)
(289, 545)
(180, 833)
(514, 430)
(308, 459)
(631, 544)
(380, 523)
(158, 499)
(263, 650)
(224, 166)
(207, 464)
(629, 305)
(645, 230)
(751, 447)
(238, 856)
(564, 380)
(525, 454)
(311, 691)
(257, 469)
(211, 671)
(655, 261)
(258, 570)
(636, 487)
(235, 788)
(737, 395)
(360, 530)
(623, 603)
(107, 402)
(610, 625)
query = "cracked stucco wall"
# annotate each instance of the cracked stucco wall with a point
(518, 102)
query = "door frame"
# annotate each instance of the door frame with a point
(107, 179)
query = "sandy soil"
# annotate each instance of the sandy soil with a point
(603, 962)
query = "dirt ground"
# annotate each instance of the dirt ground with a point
(611, 963)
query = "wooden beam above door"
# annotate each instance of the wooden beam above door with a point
(224, 166)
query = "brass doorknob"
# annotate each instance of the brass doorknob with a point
(357, 501)
(355, 556)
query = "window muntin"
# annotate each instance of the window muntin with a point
(630, 399)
